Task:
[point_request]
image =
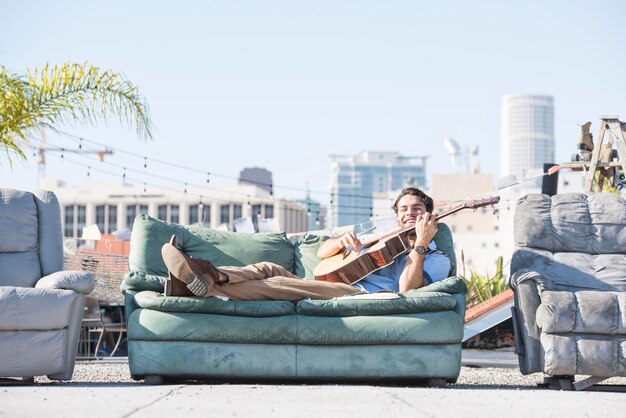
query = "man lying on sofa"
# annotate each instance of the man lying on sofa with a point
(267, 281)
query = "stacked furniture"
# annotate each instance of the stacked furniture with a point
(415, 337)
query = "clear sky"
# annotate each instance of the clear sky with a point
(283, 84)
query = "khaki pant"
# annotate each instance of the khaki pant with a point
(269, 281)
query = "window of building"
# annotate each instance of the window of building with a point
(256, 212)
(205, 214)
(131, 214)
(237, 211)
(68, 228)
(224, 214)
(200, 214)
(269, 211)
(112, 226)
(100, 217)
(193, 214)
(174, 213)
(162, 212)
(81, 217)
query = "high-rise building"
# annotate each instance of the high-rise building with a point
(258, 177)
(355, 178)
(527, 133)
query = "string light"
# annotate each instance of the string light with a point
(185, 167)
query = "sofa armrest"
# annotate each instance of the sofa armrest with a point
(77, 280)
(26, 308)
(138, 281)
(524, 283)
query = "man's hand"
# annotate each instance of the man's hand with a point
(349, 240)
(333, 246)
(425, 229)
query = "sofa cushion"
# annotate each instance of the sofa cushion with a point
(156, 301)
(572, 222)
(419, 328)
(19, 269)
(587, 312)
(586, 354)
(306, 258)
(19, 258)
(566, 271)
(18, 221)
(450, 285)
(420, 302)
(23, 308)
(148, 324)
(220, 247)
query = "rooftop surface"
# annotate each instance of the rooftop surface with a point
(105, 389)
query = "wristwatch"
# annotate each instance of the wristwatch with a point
(420, 249)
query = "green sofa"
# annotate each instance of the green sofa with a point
(415, 337)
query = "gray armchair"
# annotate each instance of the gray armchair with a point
(568, 273)
(41, 306)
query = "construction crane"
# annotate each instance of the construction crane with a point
(43, 149)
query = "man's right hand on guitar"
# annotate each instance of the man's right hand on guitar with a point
(349, 240)
(333, 246)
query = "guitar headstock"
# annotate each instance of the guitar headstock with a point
(479, 203)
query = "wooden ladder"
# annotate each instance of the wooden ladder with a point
(603, 161)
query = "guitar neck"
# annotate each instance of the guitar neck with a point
(473, 205)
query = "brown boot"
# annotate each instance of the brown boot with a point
(197, 276)
(175, 287)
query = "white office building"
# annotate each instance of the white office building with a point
(527, 134)
(113, 206)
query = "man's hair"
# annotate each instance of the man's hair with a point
(428, 202)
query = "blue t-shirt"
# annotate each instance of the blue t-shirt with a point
(436, 268)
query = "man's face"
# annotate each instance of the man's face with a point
(409, 207)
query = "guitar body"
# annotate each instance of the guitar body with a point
(358, 264)
(351, 266)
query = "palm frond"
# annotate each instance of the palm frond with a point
(67, 93)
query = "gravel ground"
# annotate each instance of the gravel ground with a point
(470, 377)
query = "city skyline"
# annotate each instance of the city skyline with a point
(282, 87)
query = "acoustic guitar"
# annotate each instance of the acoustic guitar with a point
(351, 266)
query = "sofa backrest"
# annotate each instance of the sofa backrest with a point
(222, 248)
(225, 248)
(575, 241)
(31, 241)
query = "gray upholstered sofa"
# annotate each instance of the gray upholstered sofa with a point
(568, 273)
(416, 337)
(41, 306)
